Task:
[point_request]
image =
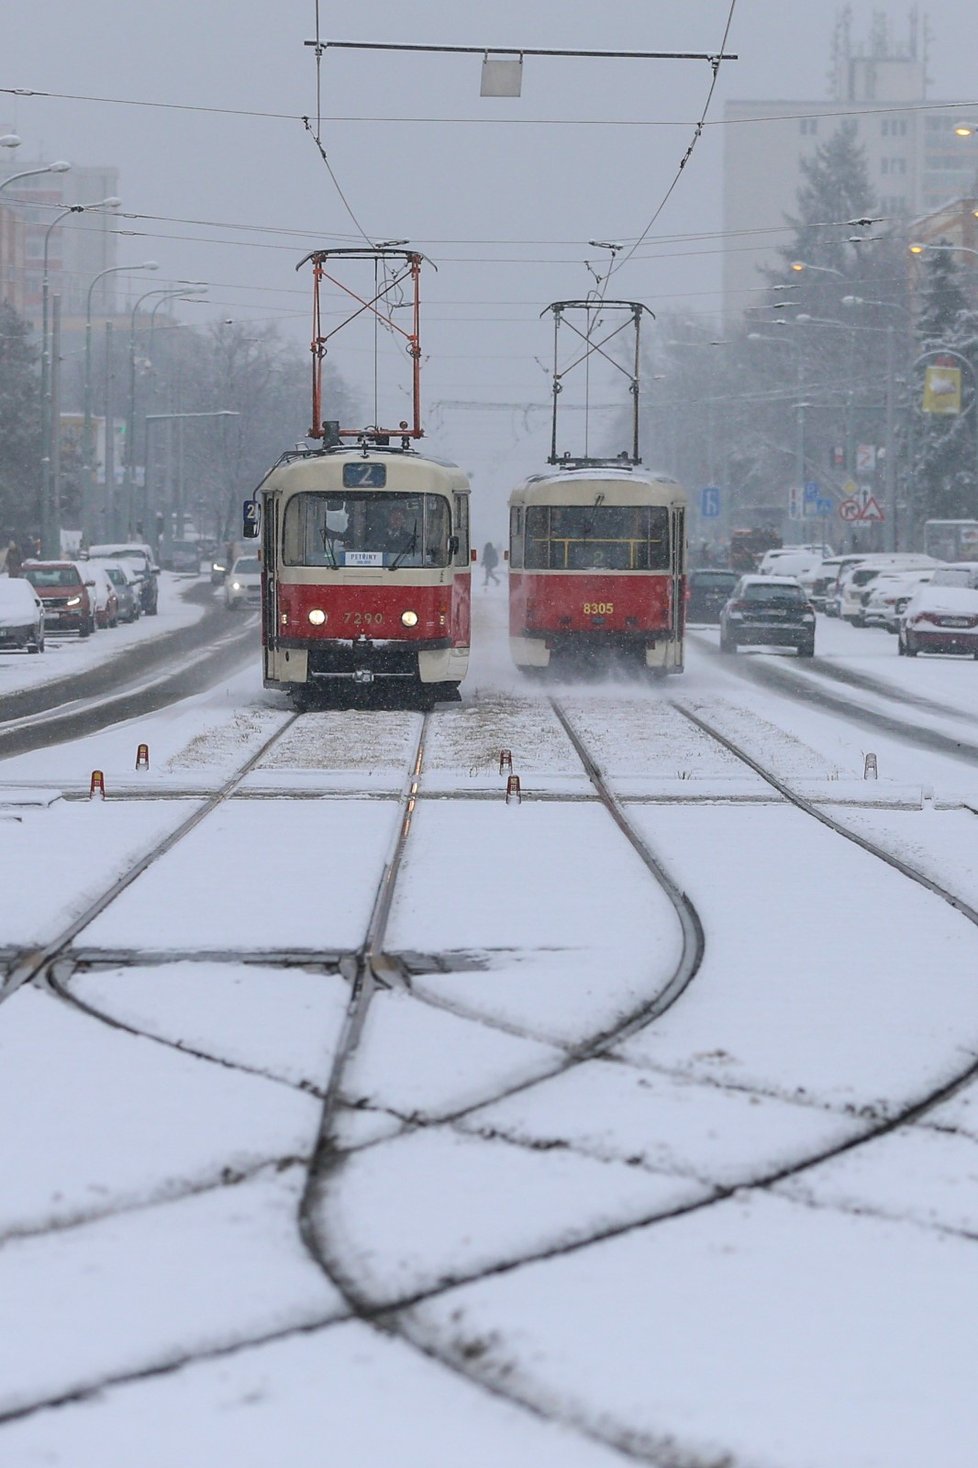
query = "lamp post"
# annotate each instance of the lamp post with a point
(48, 547)
(10, 140)
(181, 292)
(800, 265)
(918, 247)
(88, 448)
(58, 167)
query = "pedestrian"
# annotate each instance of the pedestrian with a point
(13, 560)
(490, 560)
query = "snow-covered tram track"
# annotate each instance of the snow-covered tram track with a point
(443, 1337)
(332, 1153)
(29, 965)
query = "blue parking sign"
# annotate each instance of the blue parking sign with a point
(710, 502)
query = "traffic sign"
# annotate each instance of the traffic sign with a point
(812, 491)
(823, 507)
(710, 502)
(872, 510)
(849, 509)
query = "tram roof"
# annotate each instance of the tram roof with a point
(302, 468)
(578, 486)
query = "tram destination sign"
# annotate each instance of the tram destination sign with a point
(364, 475)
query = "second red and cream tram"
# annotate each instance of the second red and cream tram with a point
(365, 572)
(597, 567)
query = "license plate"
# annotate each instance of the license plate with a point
(955, 622)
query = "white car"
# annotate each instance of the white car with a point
(940, 619)
(856, 583)
(889, 595)
(821, 587)
(242, 584)
(21, 615)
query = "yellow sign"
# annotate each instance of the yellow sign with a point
(942, 390)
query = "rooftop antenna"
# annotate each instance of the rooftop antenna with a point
(400, 265)
(629, 314)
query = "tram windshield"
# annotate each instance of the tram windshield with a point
(350, 529)
(597, 537)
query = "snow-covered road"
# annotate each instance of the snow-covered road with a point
(739, 1235)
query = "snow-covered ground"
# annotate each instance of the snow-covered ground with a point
(741, 1235)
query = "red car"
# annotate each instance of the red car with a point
(69, 604)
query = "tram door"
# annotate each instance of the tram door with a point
(677, 563)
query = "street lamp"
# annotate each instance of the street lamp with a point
(49, 549)
(182, 292)
(59, 167)
(918, 248)
(799, 265)
(88, 465)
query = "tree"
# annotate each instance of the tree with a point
(20, 428)
(938, 448)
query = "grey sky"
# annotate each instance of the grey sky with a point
(459, 190)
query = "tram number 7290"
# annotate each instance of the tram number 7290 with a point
(364, 619)
(598, 608)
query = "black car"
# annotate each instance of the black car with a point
(771, 611)
(707, 591)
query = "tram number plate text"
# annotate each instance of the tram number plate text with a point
(363, 619)
(598, 608)
(358, 475)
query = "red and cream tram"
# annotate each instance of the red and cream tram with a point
(597, 566)
(365, 572)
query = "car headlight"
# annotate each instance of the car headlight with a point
(410, 619)
(235, 585)
(73, 601)
(317, 616)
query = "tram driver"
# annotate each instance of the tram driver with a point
(398, 538)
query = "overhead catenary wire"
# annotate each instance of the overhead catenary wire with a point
(684, 160)
(271, 116)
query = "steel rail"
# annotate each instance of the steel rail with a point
(35, 961)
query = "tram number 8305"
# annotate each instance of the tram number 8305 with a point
(598, 608)
(364, 619)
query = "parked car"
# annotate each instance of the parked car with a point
(707, 591)
(126, 585)
(940, 619)
(792, 560)
(21, 615)
(962, 573)
(889, 594)
(242, 585)
(66, 592)
(103, 596)
(854, 584)
(143, 564)
(768, 610)
(821, 586)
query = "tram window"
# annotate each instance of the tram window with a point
(597, 538)
(516, 538)
(353, 529)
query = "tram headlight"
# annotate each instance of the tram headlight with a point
(317, 616)
(410, 619)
